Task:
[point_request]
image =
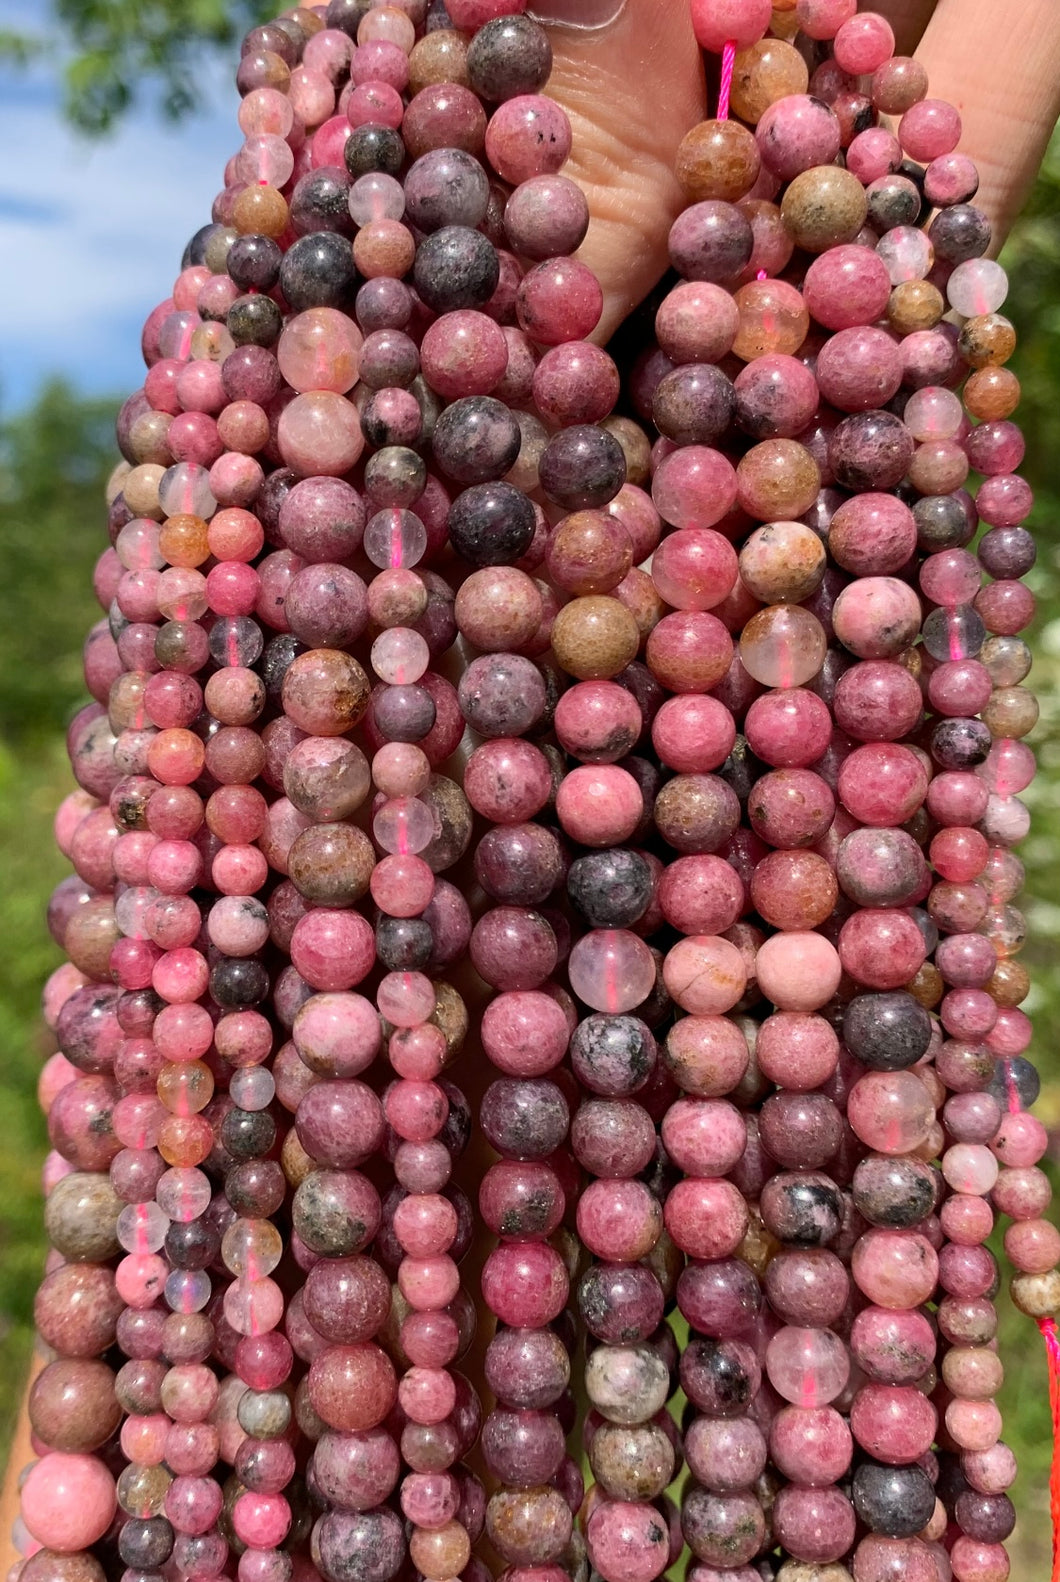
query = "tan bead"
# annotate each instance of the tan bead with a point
(935, 1530)
(1037, 1295)
(785, 23)
(91, 935)
(777, 481)
(184, 540)
(717, 159)
(763, 73)
(915, 305)
(295, 1161)
(808, 1571)
(116, 482)
(384, 248)
(938, 467)
(212, 342)
(824, 207)
(987, 340)
(641, 598)
(149, 438)
(260, 210)
(439, 57)
(142, 1490)
(1010, 984)
(440, 1552)
(759, 1247)
(773, 318)
(141, 489)
(782, 563)
(636, 447)
(1010, 711)
(450, 1016)
(595, 637)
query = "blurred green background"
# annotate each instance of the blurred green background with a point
(55, 456)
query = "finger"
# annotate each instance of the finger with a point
(908, 18)
(1000, 65)
(632, 87)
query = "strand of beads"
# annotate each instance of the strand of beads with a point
(273, 531)
(899, 1268)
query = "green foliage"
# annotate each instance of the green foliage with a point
(113, 51)
(52, 459)
(54, 462)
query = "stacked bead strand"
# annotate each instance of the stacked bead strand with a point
(716, 720)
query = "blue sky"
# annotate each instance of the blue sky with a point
(92, 231)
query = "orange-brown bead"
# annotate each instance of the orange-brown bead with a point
(915, 305)
(260, 210)
(595, 637)
(717, 159)
(763, 73)
(987, 340)
(991, 394)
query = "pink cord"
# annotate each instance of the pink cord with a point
(728, 61)
(1052, 1346)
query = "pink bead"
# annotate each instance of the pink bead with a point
(798, 971)
(895, 1269)
(863, 43)
(694, 570)
(261, 1520)
(525, 1033)
(599, 805)
(874, 153)
(68, 1501)
(694, 487)
(332, 950)
(559, 300)
(320, 433)
(705, 975)
(808, 1367)
(693, 734)
(705, 1218)
(402, 886)
(882, 949)
(890, 1111)
(929, 129)
(473, 14)
(528, 136)
(718, 22)
(612, 970)
(525, 1284)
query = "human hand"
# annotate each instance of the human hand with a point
(630, 77)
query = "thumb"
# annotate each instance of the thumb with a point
(629, 75)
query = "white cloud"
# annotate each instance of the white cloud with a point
(91, 234)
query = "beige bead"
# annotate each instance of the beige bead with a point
(595, 637)
(823, 207)
(1037, 1295)
(763, 73)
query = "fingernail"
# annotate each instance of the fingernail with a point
(585, 15)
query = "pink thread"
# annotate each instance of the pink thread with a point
(1052, 1347)
(728, 61)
